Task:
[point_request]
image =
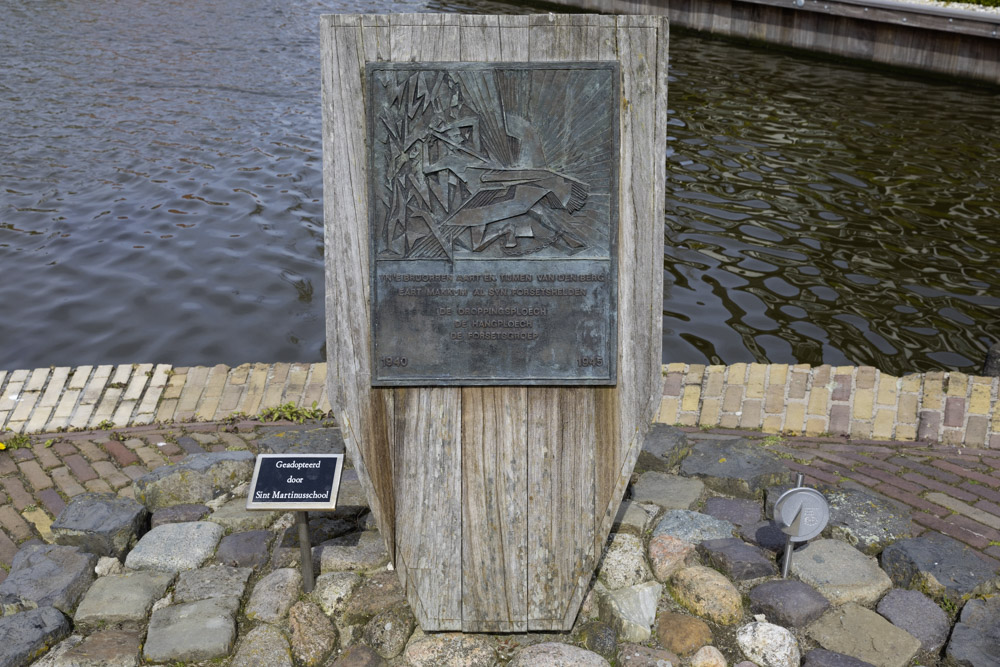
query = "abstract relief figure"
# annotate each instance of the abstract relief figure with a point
(473, 160)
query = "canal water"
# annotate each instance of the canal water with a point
(161, 195)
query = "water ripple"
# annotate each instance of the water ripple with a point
(877, 239)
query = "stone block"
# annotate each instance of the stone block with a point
(820, 657)
(863, 634)
(379, 591)
(735, 467)
(866, 521)
(554, 653)
(303, 440)
(198, 478)
(174, 547)
(917, 614)
(692, 527)
(121, 600)
(737, 511)
(179, 514)
(632, 518)
(681, 633)
(453, 648)
(667, 554)
(736, 559)
(216, 581)
(314, 637)
(788, 602)
(264, 645)
(940, 566)
(623, 563)
(598, 637)
(203, 630)
(25, 636)
(274, 595)
(48, 575)
(667, 491)
(768, 644)
(249, 549)
(101, 523)
(663, 448)
(236, 518)
(355, 551)
(631, 610)
(333, 589)
(106, 648)
(636, 655)
(707, 593)
(766, 535)
(975, 639)
(389, 630)
(708, 656)
(840, 572)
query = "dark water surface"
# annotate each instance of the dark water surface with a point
(161, 195)
(823, 213)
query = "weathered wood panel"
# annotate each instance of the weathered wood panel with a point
(494, 455)
(427, 467)
(642, 52)
(560, 503)
(428, 445)
(365, 414)
(947, 41)
(509, 491)
(494, 513)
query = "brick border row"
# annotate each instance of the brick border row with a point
(48, 400)
(951, 409)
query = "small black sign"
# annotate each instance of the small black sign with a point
(295, 482)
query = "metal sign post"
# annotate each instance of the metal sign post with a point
(801, 513)
(305, 552)
(297, 482)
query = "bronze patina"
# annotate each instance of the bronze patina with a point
(493, 212)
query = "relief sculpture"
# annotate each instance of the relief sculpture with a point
(490, 161)
(492, 202)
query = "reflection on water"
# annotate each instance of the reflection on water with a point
(820, 213)
(160, 195)
(160, 179)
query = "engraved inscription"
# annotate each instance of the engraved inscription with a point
(493, 220)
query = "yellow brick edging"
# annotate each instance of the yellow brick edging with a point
(861, 402)
(88, 397)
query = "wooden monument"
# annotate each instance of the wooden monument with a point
(495, 494)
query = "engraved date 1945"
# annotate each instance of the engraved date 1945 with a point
(586, 362)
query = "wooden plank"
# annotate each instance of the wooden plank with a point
(428, 465)
(624, 415)
(494, 509)
(514, 31)
(494, 456)
(364, 414)
(560, 502)
(428, 446)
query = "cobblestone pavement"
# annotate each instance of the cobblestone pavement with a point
(955, 491)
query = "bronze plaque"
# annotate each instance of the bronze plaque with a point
(493, 212)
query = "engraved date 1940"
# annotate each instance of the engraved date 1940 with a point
(397, 362)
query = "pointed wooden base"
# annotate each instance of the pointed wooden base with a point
(495, 502)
